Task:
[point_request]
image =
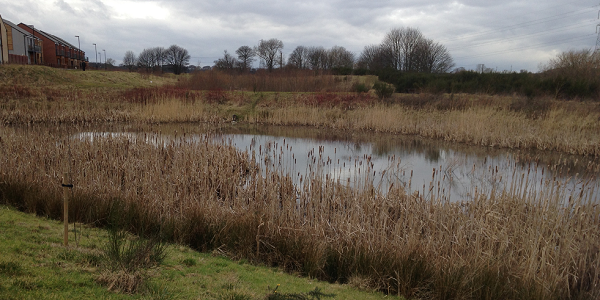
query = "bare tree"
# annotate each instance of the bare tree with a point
(339, 57)
(366, 60)
(227, 62)
(111, 62)
(245, 57)
(432, 57)
(299, 58)
(393, 45)
(317, 58)
(178, 58)
(407, 50)
(160, 55)
(146, 59)
(375, 57)
(412, 38)
(401, 43)
(574, 62)
(129, 60)
(269, 51)
(582, 65)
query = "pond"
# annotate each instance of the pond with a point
(434, 169)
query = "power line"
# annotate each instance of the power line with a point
(570, 14)
(530, 47)
(523, 24)
(509, 39)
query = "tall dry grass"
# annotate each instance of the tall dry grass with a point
(507, 122)
(277, 81)
(515, 243)
(563, 128)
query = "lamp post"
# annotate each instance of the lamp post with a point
(78, 50)
(104, 59)
(96, 50)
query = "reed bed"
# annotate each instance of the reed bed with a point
(278, 81)
(559, 130)
(514, 243)
(505, 122)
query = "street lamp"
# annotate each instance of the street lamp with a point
(78, 49)
(96, 50)
(104, 59)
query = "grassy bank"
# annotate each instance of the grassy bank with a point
(516, 243)
(34, 264)
(32, 79)
(43, 95)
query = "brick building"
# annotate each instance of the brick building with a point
(56, 51)
(23, 46)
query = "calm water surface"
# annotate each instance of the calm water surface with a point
(435, 169)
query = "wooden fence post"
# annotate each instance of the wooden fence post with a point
(66, 186)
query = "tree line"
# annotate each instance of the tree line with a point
(573, 74)
(404, 58)
(149, 59)
(406, 50)
(403, 49)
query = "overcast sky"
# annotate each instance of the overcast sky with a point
(502, 34)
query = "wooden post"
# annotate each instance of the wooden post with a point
(66, 185)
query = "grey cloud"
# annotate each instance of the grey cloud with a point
(65, 6)
(98, 9)
(475, 31)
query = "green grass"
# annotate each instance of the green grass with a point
(35, 265)
(41, 76)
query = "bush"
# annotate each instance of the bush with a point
(383, 90)
(133, 254)
(360, 87)
(127, 258)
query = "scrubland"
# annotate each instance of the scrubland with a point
(506, 244)
(511, 244)
(491, 121)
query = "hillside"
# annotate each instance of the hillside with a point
(35, 265)
(41, 76)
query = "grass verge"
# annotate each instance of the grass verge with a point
(35, 265)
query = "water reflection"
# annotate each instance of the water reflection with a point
(434, 169)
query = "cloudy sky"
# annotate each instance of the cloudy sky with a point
(502, 34)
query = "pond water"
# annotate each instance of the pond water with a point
(437, 170)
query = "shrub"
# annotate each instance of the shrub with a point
(360, 87)
(533, 107)
(133, 254)
(383, 90)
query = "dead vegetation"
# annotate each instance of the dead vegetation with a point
(515, 243)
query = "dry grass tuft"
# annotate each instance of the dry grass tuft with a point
(122, 281)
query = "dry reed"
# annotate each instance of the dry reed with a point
(277, 81)
(516, 243)
(571, 127)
